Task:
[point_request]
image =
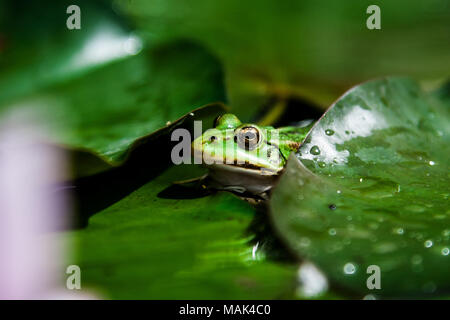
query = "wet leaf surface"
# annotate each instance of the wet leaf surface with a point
(370, 187)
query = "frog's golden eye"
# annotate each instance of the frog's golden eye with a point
(247, 138)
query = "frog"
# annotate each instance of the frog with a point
(245, 158)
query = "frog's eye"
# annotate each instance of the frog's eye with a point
(247, 138)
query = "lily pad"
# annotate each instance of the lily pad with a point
(370, 186)
(148, 247)
(108, 110)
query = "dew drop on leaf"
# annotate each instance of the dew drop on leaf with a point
(349, 268)
(428, 244)
(315, 150)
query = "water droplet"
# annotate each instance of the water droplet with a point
(445, 251)
(315, 150)
(360, 179)
(338, 191)
(432, 163)
(321, 164)
(349, 268)
(399, 231)
(329, 132)
(428, 244)
(332, 206)
(332, 232)
(132, 45)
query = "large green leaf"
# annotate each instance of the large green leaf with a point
(147, 246)
(370, 186)
(106, 111)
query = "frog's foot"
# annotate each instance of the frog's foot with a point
(244, 194)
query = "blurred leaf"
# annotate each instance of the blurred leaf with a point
(372, 188)
(37, 49)
(95, 89)
(108, 109)
(309, 49)
(147, 247)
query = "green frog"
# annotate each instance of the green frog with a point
(245, 158)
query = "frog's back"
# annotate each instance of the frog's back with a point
(291, 138)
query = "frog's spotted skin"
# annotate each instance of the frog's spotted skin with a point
(244, 157)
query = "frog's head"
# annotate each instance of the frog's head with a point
(237, 146)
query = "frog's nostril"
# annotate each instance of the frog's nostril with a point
(212, 138)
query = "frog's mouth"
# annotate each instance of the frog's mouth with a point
(247, 168)
(216, 162)
(245, 165)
